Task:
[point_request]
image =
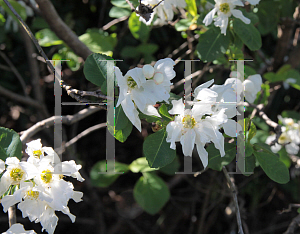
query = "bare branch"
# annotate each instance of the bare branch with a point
(62, 30)
(12, 215)
(232, 187)
(293, 225)
(68, 119)
(113, 22)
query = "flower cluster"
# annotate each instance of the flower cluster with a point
(163, 9)
(290, 136)
(224, 9)
(141, 88)
(37, 185)
(213, 109)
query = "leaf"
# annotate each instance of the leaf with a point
(291, 114)
(268, 16)
(148, 118)
(117, 12)
(298, 210)
(284, 157)
(247, 165)
(248, 34)
(215, 161)
(95, 70)
(183, 25)
(260, 137)
(98, 41)
(101, 179)
(121, 135)
(137, 28)
(171, 168)
(18, 8)
(191, 7)
(124, 4)
(10, 144)
(157, 150)
(140, 165)
(251, 132)
(163, 111)
(248, 149)
(271, 164)
(212, 44)
(47, 38)
(151, 193)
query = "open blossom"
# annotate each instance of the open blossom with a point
(42, 189)
(141, 88)
(18, 228)
(164, 10)
(224, 9)
(194, 126)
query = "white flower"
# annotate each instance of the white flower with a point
(252, 86)
(192, 127)
(13, 175)
(18, 228)
(2, 166)
(224, 9)
(142, 87)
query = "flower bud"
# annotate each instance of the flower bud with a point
(148, 71)
(158, 78)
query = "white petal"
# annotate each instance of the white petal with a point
(12, 161)
(202, 154)
(239, 14)
(178, 107)
(209, 17)
(188, 141)
(253, 2)
(292, 148)
(131, 112)
(2, 166)
(257, 82)
(166, 66)
(231, 128)
(174, 134)
(150, 110)
(137, 75)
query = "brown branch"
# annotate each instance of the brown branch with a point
(61, 29)
(113, 22)
(19, 98)
(233, 190)
(293, 225)
(68, 119)
(12, 215)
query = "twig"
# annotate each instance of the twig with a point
(12, 216)
(293, 225)
(113, 22)
(68, 119)
(83, 134)
(131, 5)
(15, 71)
(232, 187)
(19, 98)
(61, 29)
(30, 34)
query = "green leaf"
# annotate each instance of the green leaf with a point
(95, 70)
(163, 111)
(268, 16)
(47, 38)
(117, 12)
(260, 137)
(151, 193)
(291, 114)
(157, 150)
(212, 44)
(247, 165)
(248, 34)
(215, 161)
(10, 144)
(251, 132)
(183, 25)
(121, 135)
(271, 164)
(18, 8)
(248, 149)
(260, 123)
(124, 4)
(249, 71)
(148, 118)
(105, 179)
(137, 28)
(98, 41)
(298, 210)
(121, 119)
(191, 7)
(140, 165)
(171, 168)
(284, 157)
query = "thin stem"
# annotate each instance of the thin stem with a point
(12, 216)
(30, 34)
(233, 190)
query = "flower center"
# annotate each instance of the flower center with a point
(46, 176)
(188, 121)
(37, 153)
(17, 174)
(32, 194)
(224, 7)
(131, 83)
(283, 138)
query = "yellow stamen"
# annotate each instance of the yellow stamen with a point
(188, 121)
(17, 174)
(46, 176)
(224, 7)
